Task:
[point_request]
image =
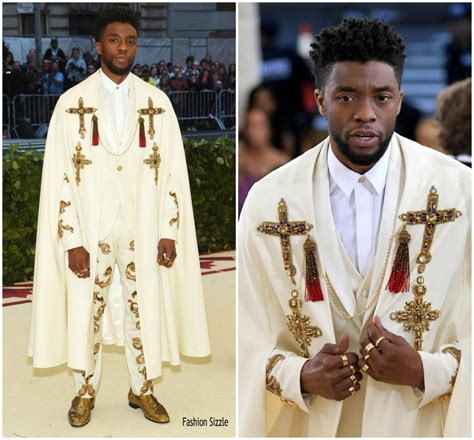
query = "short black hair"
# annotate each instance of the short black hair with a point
(357, 39)
(115, 14)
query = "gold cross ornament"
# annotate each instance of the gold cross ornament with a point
(154, 161)
(284, 229)
(151, 112)
(417, 314)
(79, 161)
(299, 325)
(430, 218)
(81, 111)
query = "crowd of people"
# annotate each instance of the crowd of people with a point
(59, 73)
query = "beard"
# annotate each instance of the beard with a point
(362, 159)
(109, 62)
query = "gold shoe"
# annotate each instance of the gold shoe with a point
(80, 412)
(152, 409)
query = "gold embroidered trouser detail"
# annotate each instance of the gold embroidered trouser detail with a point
(118, 252)
(130, 271)
(272, 384)
(62, 227)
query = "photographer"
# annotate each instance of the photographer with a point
(54, 53)
(75, 69)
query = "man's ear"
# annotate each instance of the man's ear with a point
(98, 48)
(400, 103)
(319, 98)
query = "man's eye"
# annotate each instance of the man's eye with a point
(132, 42)
(112, 40)
(345, 98)
(383, 98)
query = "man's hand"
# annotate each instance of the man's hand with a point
(79, 262)
(326, 376)
(394, 361)
(166, 252)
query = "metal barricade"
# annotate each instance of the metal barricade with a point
(226, 108)
(194, 105)
(6, 117)
(32, 111)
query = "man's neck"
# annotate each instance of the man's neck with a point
(117, 79)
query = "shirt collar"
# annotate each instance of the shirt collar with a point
(110, 86)
(347, 179)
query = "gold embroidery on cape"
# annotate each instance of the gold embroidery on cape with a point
(81, 111)
(65, 178)
(86, 387)
(62, 227)
(79, 161)
(417, 314)
(100, 302)
(175, 219)
(284, 229)
(272, 384)
(104, 248)
(154, 161)
(130, 271)
(62, 206)
(107, 281)
(132, 246)
(151, 112)
(96, 348)
(299, 325)
(456, 354)
(443, 397)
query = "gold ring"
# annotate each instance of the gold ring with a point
(353, 378)
(369, 347)
(367, 356)
(352, 391)
(379, 340)
(345, 362)
(365, 367)
(353, 370)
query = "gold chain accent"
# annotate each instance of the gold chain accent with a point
(341, 311)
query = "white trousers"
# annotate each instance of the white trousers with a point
(116, 248)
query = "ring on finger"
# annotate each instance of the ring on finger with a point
(352, 390)
(369, 347)
(353, 370)
(379, 340)
(365, 367)
(354, 380)
(367, 356)
(345, 362)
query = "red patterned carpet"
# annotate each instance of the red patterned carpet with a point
(20, 293)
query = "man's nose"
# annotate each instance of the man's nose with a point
(365, 111)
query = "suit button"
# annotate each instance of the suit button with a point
(120, 168)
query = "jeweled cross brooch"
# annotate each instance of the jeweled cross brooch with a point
(154, 160)
(417, 314)
(79, 161)
(151, 112)
(81, 111)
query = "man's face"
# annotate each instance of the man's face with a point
(54, 44)
(361, 102)
(118, 48)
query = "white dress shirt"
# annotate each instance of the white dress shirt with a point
(116, 98)
(356, 203)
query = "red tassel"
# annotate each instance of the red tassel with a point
(142, 138)
(399, 280)
(95, 131)
(313, 286)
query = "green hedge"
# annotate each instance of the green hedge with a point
(211, 166)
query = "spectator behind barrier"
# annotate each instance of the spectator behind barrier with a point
(453, 115)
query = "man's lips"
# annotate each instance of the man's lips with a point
(363, 132)
(121, 57)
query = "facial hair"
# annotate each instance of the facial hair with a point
(109, 62)
(362, 159)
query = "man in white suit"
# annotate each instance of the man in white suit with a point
(354, 267)
(115, 191)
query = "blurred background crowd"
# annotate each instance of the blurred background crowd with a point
(279, 119)
(60, 72)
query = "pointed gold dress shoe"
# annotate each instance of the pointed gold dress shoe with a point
(152, 409)
(80, 412)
